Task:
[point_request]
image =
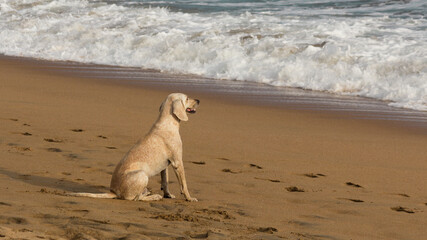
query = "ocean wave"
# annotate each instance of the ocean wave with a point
(373, 56)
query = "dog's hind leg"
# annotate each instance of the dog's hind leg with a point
(145, 196)
(136, 187)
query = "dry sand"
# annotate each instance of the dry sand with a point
(258, 172)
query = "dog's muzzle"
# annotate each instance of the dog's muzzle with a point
(193, 110)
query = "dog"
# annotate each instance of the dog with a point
(161, 147)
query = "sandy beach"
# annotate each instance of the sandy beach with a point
(259, 172)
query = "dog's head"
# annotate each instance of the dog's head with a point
(180, 105)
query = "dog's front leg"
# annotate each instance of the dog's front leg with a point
(180, 174)
(165, 188)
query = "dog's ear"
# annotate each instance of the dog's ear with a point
(178, 109)
(161, 106)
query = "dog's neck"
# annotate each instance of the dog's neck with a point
(167, 121)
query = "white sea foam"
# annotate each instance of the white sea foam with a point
(377, 57)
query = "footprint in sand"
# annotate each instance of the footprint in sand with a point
(20, 149)
(353, 185)
(402, 209)
(12, 220)
(77, 130)
(54, 150)
(81, 210)
(353, 200)
(403, 195)
(294, 189)
(5, 204)
(111, 147)
(267, 179)
(255, 166)
(54, 140)
(227, 170)
(267, 230)
(199, 163)
(73, 156)
(312, 175)
(27, 134)
(198, 235)
(101, 136)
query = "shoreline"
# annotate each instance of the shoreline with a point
(242, 92)
(259, 172)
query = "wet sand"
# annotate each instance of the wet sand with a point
(237, 91)
(259, 172)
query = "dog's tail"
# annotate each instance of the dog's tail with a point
(93, 195)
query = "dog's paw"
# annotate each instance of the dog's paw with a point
(154, 197)
(168, 195)
(192, 199)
